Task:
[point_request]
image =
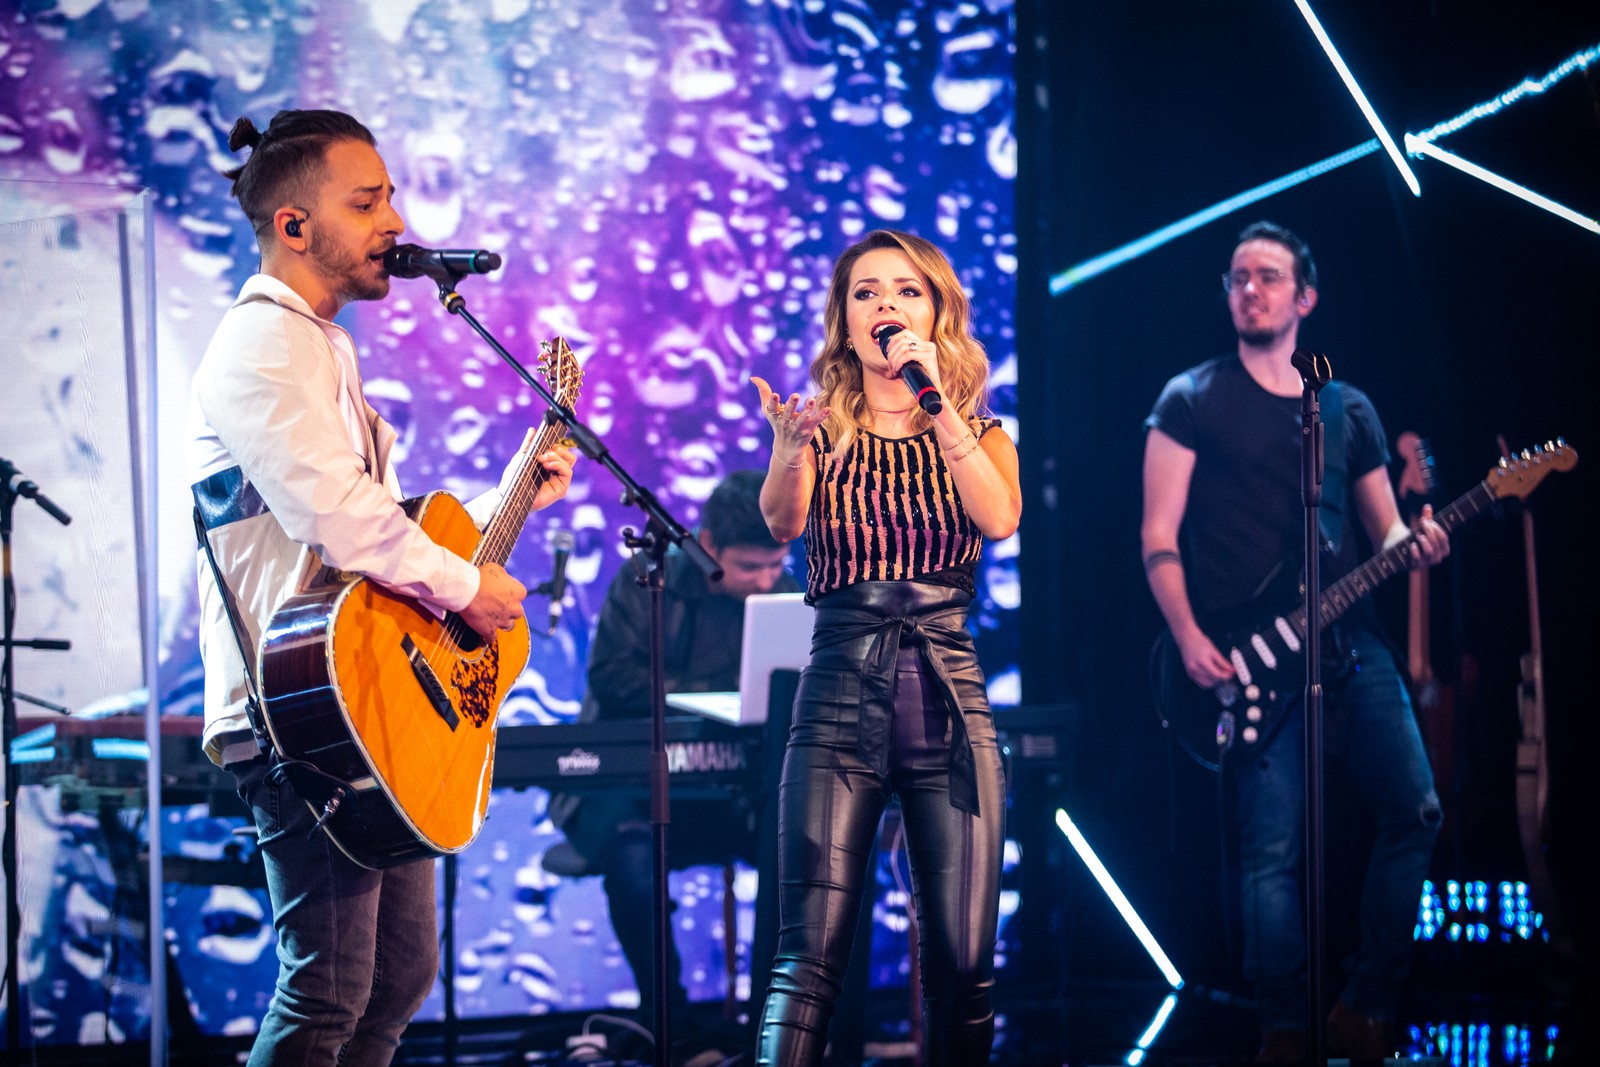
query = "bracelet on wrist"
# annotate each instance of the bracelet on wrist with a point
(952, 446)
(961, 449)
(956, 457)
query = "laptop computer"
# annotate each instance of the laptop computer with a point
(777, 636)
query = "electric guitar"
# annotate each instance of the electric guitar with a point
(1263, 643)
(392, 706)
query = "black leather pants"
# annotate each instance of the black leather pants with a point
(831, 800)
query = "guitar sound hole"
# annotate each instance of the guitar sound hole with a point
(466, 638)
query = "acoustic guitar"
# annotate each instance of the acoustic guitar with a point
(386, 708)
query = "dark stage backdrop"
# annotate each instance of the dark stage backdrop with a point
(668, 183)
(1464, 314)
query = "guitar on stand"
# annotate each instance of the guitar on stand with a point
(1418, 485)
(1533, 765)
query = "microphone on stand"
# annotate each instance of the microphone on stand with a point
(561, 543)
(23, 486)
(440, 264)
(913, 375)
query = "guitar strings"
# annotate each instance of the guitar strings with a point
(505, 526)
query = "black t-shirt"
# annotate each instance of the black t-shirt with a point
(1245, 514)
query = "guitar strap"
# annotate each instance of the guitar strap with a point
(315, 786)
(252, 699)
(1335, 467)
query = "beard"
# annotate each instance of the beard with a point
(348, 271)
(1258, 338)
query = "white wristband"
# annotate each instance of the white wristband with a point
(1397, 533)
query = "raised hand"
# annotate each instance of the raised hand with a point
(793, 423)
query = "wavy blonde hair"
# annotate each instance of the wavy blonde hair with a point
(963, 364)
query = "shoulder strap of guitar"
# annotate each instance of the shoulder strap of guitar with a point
(1335, 466)
(252, 700)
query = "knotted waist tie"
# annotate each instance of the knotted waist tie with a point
(861, 628)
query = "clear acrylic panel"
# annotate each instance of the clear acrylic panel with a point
(76, 420)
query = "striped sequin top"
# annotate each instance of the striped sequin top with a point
(888, 511)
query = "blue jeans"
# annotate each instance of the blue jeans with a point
(1369, 727)
(357, 949)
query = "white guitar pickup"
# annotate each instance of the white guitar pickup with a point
(1264, 651)
(1241, 669)
(1291, 640)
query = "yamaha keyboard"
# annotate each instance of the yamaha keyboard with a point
(605, 755)
(573, 757)
(569, 756)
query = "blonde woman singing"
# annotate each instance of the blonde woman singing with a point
(895, 505)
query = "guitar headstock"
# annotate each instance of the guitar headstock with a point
(561, 370)
(1516, 475)
(1419, 477)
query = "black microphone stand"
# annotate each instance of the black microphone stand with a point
(1315, 372)
(12, 489)
(661, 532)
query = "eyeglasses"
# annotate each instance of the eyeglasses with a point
(1265, 278)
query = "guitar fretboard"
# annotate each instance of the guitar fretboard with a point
(1342, 595)
(500, 533)
(505, 525)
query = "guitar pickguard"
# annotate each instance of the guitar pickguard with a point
(476, 680)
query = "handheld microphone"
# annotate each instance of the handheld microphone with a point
(561, 543)
(440, 264)
(913, 375)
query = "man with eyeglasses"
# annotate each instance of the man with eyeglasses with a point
(1222, 465)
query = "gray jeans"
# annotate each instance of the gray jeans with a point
(357, 949)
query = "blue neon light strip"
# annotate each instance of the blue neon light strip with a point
(1082, 272)
(1129, 916)
(1422, 148)
(1146, 1039)
(1116, 257)
(39, 735)
(1528, 87)
(1360, 97)
(120, 748)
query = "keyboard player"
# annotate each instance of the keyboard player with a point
(610, 835)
